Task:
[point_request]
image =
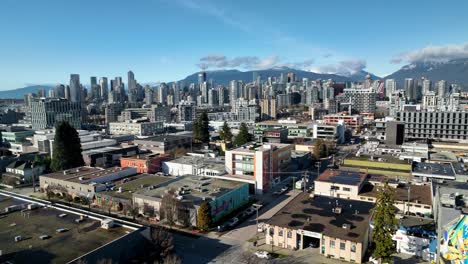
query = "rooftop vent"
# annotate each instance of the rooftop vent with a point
(337, 210)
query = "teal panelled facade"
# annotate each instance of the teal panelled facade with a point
(230, 201)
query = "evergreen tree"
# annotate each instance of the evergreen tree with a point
(225, 133)
(204, 124)
(384, 224)
(204, 216)
(67, 148)
(243, 136)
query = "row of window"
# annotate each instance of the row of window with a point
(342, 245)
(280, 233)
(337, 188)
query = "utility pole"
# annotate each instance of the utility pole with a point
(33, 176)
(304, 180)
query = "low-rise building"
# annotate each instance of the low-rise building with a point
(409, 198)
(82, 181)
(223, 196)
(433, 171)
(259, 165)
(21, 172)
(383, 165)
(278, 135)
(108, 156)
(194, 165)
(175, 145)
(145, 163)
(334, 133)
(352, 121)
(339, 226)
(136, 127)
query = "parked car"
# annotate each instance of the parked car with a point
(233, 222)
(263, 254)
(250, 211)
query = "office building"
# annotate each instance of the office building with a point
(104, 86)
(47, 112)
(359, 99)
(394, 133)
(136, 127)
(75, 88)
(259, 165)
(449, 126)
(441, 88)
(390, 87)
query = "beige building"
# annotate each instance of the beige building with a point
(338, 227)
(83, 181)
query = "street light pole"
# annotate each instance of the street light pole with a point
(33, 165)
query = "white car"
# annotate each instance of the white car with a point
(263, 254)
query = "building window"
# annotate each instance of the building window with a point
(280, 233)
(272, 231)
(342, 246)
(346, 189)
(353, 247)
(289, 234)
(332, 244)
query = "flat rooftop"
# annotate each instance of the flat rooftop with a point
(342, 177)
(252, 147)
(107, 149)
(60, 247)
(163, 138)
(134, 184)
(316, 215)
(433, 169)
(377, 158)
(417, 193)
(201, 162)
(199, 188)
(83, 174)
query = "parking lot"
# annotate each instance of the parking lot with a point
(76, 240)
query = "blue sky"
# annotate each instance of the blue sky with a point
(43, 42)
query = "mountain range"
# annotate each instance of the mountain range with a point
(225, 76)
(20, 92)
(454, 71)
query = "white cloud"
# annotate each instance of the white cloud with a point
(250, 62)
(345, 67)
(433, 53)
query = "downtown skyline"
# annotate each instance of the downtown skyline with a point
(167, 40)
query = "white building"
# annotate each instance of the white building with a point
(136, 128)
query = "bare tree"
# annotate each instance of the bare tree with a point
(163, 242)
(172, 259)
(169, 207)
(134, 210)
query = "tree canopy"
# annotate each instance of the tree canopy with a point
(243, 136)
(225, 133)
(204, 216)
(320, 149)
(384, 224)
(67, 148)
(201, 127)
